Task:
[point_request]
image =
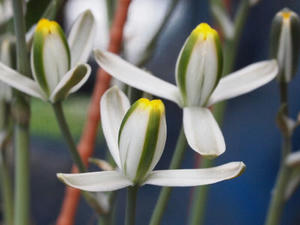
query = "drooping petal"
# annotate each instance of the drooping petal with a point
(74, 78)
(96, 181)
(199, 65)
(136, 77)
(20, 82)
(81, 38)
(142, 138)
(50, 56)
(195, 177)
(202, 131)
(114, 105)
(244, 80)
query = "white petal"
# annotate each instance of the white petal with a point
(20, 82)
(244, 80)
(293, 159)
(195, 177)
(114, 105)
(95, 181)
(202, 131)
(75, 78)
(142, 138)
(136, 77)
(81, 37)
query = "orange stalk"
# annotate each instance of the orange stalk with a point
(88, 138)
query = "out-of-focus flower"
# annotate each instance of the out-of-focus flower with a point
(285, 45)
(198, 73)
(7, 47)
(136, 138)
(56, 63)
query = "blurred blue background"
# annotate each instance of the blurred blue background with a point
(249, 128)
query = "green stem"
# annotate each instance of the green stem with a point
(131, 205)
(57, 107)
(165, 193)
(277, 201)
(21, 111)
(22, 199)
(6, 188)
(200, 194)
(200, 197)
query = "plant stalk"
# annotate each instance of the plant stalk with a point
(57, 107)
(21, 113)
(165, 193)
(277, 200)
(6, 188)
(200, 194)
(131, 205)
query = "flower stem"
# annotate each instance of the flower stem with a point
(57, 107)
(131, 205)
(22, 200)
(21, 113)
(277, 201)
(200, 196)
(6, 188)
(165, 193)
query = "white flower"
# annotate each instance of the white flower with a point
(285, 45)
(136, 138)
(199, 86)
(56, 63)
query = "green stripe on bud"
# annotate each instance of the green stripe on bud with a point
(50, 55)
(285, 45)
(199, 65)
(142, 138)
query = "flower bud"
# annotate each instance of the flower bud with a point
(199, 65)
(285, 36)
(50, 55)
(142, 137)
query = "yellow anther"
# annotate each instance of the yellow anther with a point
(203, 31)
(47, 26)
(155, 104)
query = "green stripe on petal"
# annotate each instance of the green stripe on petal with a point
(149, 144)
(141, 138)
(37, 62)
(199, 65)
(50, 55)
(285, 46)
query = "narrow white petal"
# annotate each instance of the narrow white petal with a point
(136, 77)
(293, 159)
(55, 60)
(244, 80)
(114, 105)
(285, 51)
(195, 177)
(20, 82)
(81, 38)
(71, 82)
(131, 141)
(95, 181)
(202, 131)
(224, 20)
